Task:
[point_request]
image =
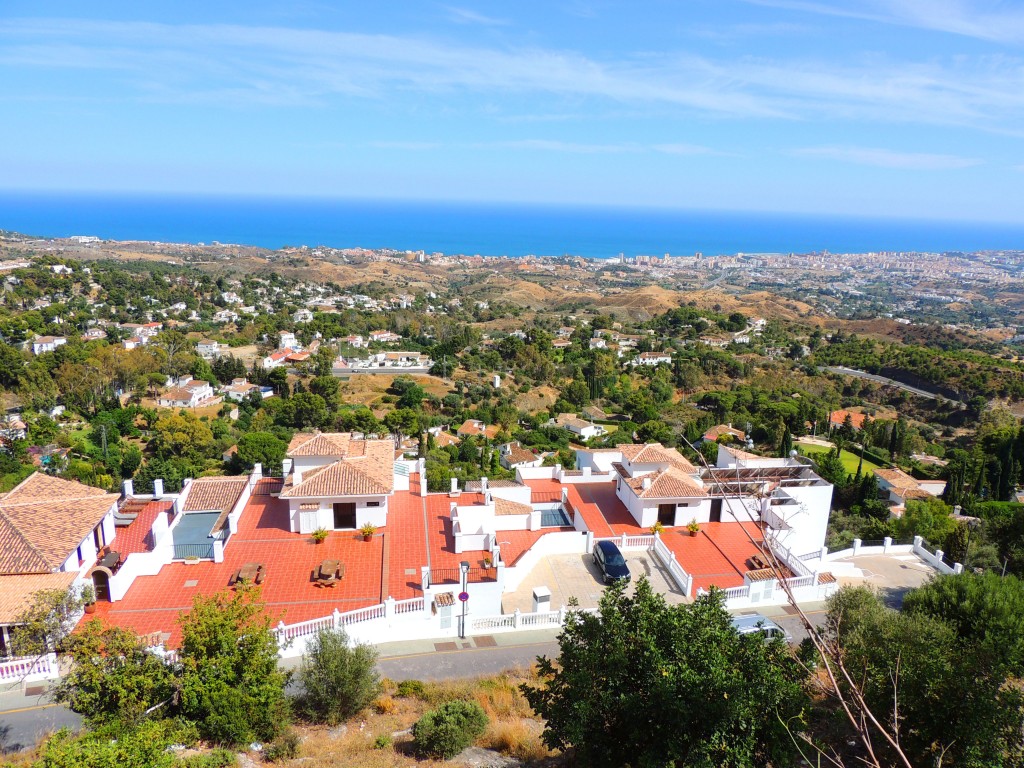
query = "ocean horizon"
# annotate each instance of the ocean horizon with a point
(487, 229)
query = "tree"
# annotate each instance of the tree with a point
(984, 608)
(830, 467)
(910, 669)
(263, 448)
(47, 623)
(114, 679)
(230, 684)
(338, 681)
(644, 683)
(182, 434)
(786, 443)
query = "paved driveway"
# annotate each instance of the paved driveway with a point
(577, 576)
(892, 575)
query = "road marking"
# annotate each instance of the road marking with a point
(27, 709)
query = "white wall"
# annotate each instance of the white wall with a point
(600, 461)
(325, 513)
(809, 524)
(555, 543)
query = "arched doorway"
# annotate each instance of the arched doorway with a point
(101, 583)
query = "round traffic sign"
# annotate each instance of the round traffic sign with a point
(463, 596)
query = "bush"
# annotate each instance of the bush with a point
(449, 729)
(338, 681)
(382, 742)
(218, 758)
(285, 747)
(384, 705)
(411, 688)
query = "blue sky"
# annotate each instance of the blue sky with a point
(868, 107)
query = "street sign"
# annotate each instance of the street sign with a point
(463, 596)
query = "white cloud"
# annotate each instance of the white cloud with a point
(959, 17)
(468, 16)
(885, 158)
(231, 64)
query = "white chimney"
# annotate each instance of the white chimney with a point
(286, 466)
(127, 489)
(158, 489)
(646, 483)
(483, 485)
(455, 485)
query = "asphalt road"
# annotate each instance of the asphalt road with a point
(844, 371)
(468, 662)
(21, 728)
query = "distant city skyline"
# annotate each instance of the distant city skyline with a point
(899, 108)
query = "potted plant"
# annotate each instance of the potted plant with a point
(693, 527)
(319, 535)
(89, 598)
(657, 527)
(488, 562)
(368, 530)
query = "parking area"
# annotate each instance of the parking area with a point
(577, 576)
(892, 575)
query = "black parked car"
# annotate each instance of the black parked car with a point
(611, 562)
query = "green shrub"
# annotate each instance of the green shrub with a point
(411, 689)
(382, 742)
(338, 681)
(284, 747)
(449, 729)
(218, 758)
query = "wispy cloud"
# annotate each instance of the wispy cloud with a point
(240, 65)
(554, 145)
(984, 21)
(469, 16)
(886, 158)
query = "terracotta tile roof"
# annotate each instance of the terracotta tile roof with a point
(898, 479)
(671, 483)
(724, 429)
(44, 519)
(210, 494)
(838, 418)
(655, 453)
(329, 444)
(443, 438)
(826, 577)
(178, 394)
(475, 427)
(518, 455)
(506, 507)
(16, 592)
(444, 599)
(366, 469)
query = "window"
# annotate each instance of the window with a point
(80, 559)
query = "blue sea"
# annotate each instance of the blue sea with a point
(485, 229)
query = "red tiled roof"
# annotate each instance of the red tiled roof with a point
(17, 591)
(670, 483)
(655, 453)
(209, 494)
(43, 519)
(723, 429)
(837, 418)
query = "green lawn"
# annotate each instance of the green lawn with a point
(850, 460)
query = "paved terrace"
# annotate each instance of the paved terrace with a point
(418, 533)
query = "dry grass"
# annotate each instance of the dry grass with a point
(519, 739)
(513, 729)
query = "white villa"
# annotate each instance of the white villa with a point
(338, 482)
